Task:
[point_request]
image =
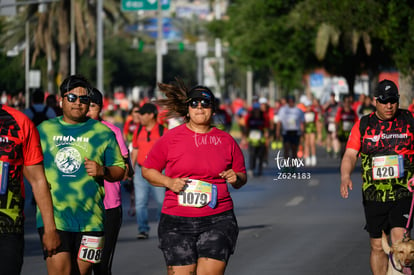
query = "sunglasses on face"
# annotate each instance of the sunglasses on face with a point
(205, 103)
(384, 100)
(84, 99)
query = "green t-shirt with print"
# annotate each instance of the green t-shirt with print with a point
(77, 197)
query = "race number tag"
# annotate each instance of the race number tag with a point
(387, 167)
(255, 134)
(309, 117)
(347, 125)
(291, 123)
(332, 127)
(91, 248)
(198, 194)
(4, 177)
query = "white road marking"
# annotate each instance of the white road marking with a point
(295, 201)
(313, 182)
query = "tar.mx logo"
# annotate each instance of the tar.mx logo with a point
(282, 162)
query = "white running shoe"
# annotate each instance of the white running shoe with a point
(313, 161)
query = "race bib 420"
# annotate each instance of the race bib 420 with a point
(387, 167)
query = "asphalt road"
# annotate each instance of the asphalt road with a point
(287, 226)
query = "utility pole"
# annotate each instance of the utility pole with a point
(218, 53)
(249, 86)
(72, 38)
(99, 45)
(27, 65)
(159, 49)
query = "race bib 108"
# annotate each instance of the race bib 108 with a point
(91, 248)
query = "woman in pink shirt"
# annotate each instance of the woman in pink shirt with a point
(197, 230)
(112, 200)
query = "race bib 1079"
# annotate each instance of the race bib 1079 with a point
(198, 193)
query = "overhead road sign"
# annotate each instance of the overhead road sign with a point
(135, 5)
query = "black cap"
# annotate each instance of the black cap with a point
(386, 89)
(96, 97)
(72, 82)
(201, 92)
(290, 97)
(148, 108)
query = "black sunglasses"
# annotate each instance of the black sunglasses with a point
(383, 100)
(84, 99)
(205, 103)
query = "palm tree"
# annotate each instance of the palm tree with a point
(51, 30)
(348, 41)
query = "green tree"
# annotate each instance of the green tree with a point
(347, 41)
(51, 29)
(346, 37)
(12, 80)
(396, 29)
(261, 35)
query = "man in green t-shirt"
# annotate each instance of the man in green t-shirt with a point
(79, 154)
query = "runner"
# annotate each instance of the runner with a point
(311, 121)
(256, 135)
(21, 155)
(330, 109)
(197, 230)
(112, 199)
(345, 119)
(291, 127)
(79, 154)
(385, 141)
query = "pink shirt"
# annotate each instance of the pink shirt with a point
(113, 189)
(184, 153)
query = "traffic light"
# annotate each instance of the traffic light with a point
(181, 46)
(141, 45)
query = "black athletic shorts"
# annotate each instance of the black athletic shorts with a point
(291, 137)
(185, 239)
(383, 216)
(69, 241)
(11, 253)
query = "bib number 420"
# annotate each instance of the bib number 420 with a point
(387, 167)
(385, 172)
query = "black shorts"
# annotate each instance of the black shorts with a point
(185, 239)
(11, 253)
(291, 137)
(69, 241)
(383, 216)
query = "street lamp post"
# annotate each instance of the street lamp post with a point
(99, 45)
(159, 49)
(26, 65)
(72, 38)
